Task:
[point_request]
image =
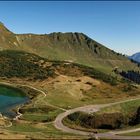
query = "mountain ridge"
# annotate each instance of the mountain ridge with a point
(75, 47)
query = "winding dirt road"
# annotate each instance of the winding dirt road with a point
(29, 86)
(90, 109)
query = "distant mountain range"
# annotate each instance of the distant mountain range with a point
(72, 47)
(135, 57)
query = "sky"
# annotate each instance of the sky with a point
(115, 24)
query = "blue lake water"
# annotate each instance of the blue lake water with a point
(10, 98)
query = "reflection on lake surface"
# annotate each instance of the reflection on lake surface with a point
(9, 99)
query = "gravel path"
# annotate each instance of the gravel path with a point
(90, 109)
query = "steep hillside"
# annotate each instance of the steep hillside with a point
(77, 84)
(73, 47)
(26, 65)
(7, 38)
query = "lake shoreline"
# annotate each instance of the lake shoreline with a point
(30, 92)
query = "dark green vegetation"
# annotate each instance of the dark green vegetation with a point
(30, 92)
(115, 117)
(73, 47)
(26, 65)
(21, 64)
(132, 76)
(91, 121)
(9, 99)
(33, 68)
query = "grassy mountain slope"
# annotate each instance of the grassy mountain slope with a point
(65, 84)
(74, 47)
(26, 65)
(77, 84)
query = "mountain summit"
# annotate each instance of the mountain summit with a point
(3, 29)
(7, 38)
(73, 47)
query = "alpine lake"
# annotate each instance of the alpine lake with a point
(10, 98)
